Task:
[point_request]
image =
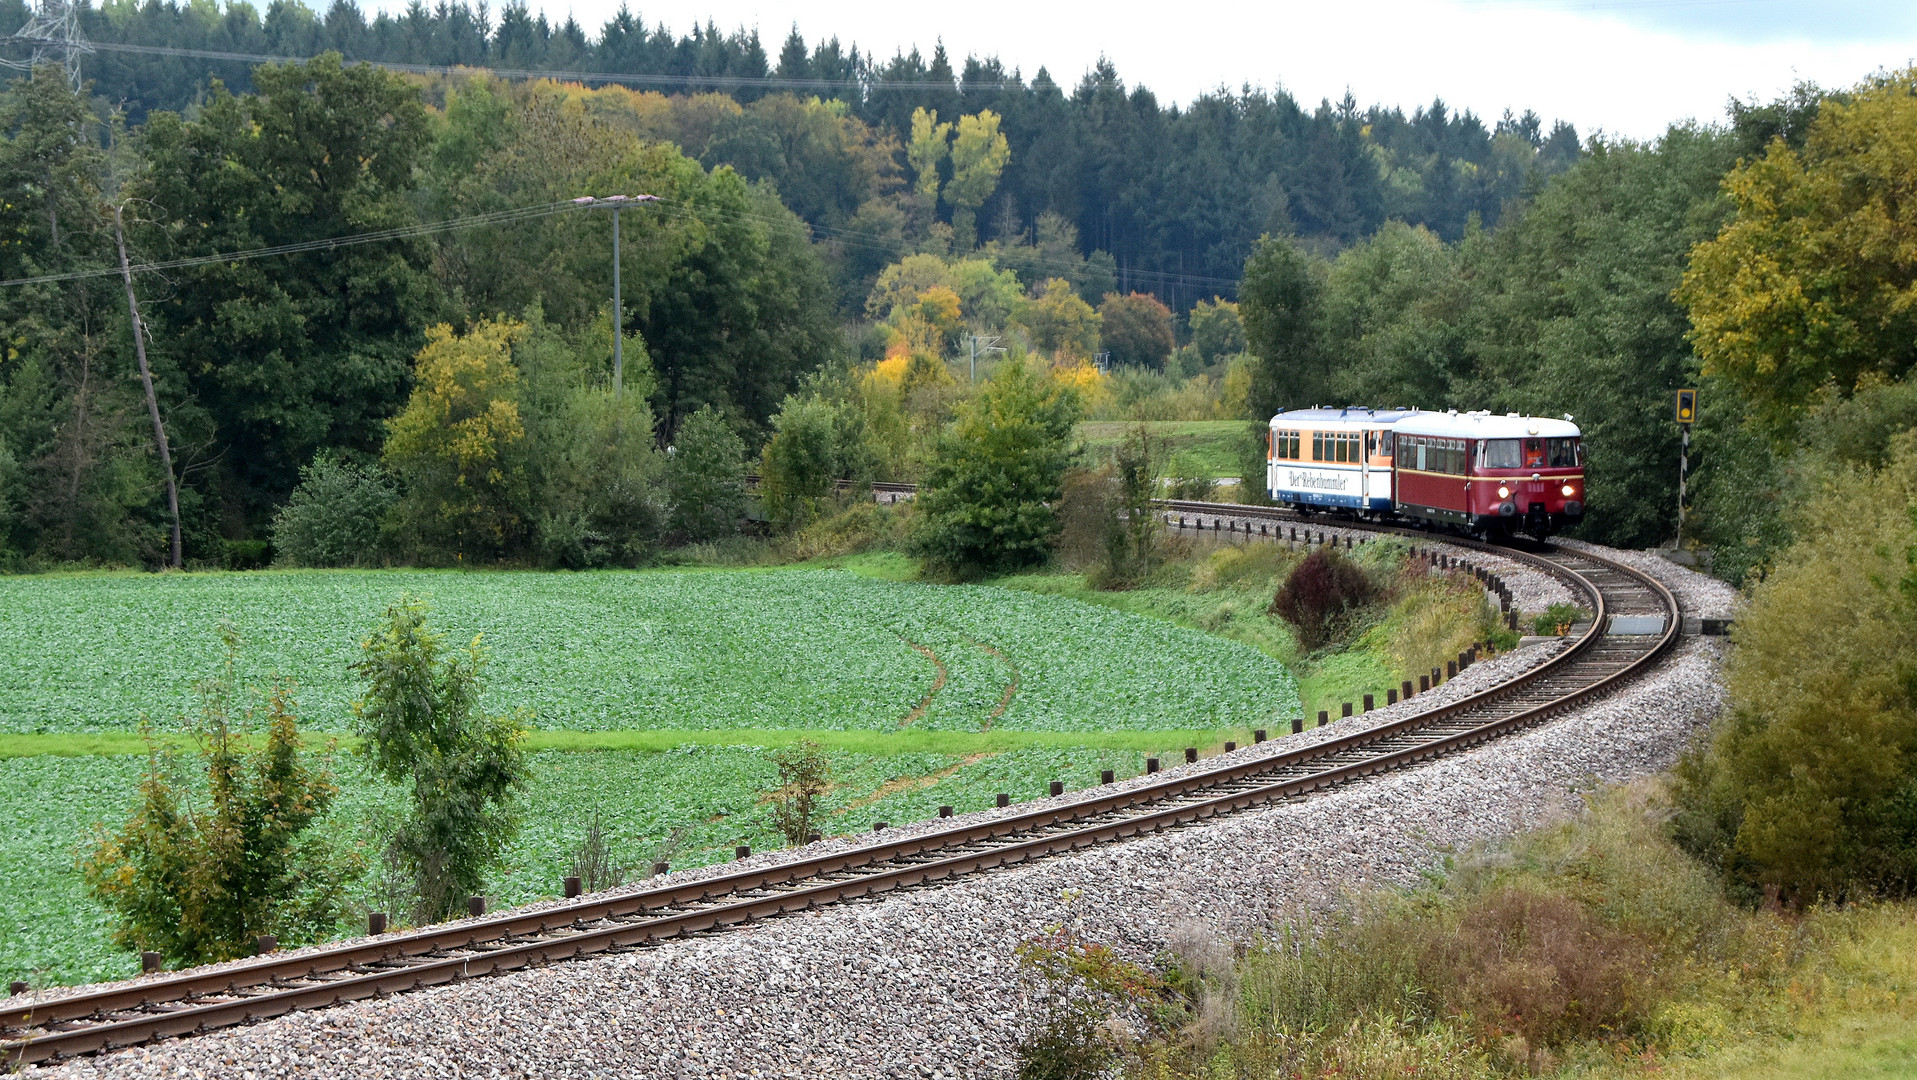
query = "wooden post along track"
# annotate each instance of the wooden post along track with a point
(190, 1002)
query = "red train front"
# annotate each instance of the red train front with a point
(1489, 475)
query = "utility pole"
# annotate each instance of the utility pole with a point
(146, 380)
(616, 203)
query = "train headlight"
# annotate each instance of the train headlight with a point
(1503, 492)
(1568, 490)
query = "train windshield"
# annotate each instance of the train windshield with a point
(1501, 454)
(1532, 454)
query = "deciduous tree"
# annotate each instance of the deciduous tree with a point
(979, 154)
(1280, 301)
(458, 448)
(1059, 322)
(930, 144)
(986, 502)
(705, 478)
(1136, 329)
(1814, 282)
(422, 726)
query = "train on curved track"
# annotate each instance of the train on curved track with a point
(1486, 475)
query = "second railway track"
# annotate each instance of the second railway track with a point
(115, 1016)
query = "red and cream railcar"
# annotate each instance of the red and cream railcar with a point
(1493, 475)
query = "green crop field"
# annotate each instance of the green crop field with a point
(641, 650)
(1196, 447)
(658, 698)
(690, 806)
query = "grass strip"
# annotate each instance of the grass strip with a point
(660, 740)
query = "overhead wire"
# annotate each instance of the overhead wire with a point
(674, 208)
(425, 228)
(740, 82)
(845, 237)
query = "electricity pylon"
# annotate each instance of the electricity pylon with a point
(53, 33)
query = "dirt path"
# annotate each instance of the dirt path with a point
(938, 682)
(913, 783)
(1011, 687)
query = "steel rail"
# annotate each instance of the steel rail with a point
(192, 1002)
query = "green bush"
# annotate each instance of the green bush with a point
(1253, 446)
(1807, 787)
(1087, 512)
(1550, 621)
(334, 516)
(199, 871)
(705, 479)
(816, 442)
(862, 526)
(805, 777)
(247, 554)
(422, 727)
(1131, 534)
(985, 506)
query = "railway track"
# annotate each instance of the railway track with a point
(193, 1002)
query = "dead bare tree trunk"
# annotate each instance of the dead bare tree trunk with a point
(146, 380)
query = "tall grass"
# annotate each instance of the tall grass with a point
(1594, 947)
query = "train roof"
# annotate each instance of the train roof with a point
(1346, 414)
(1485, 425)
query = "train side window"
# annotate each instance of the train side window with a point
(1386, 443)
(1423, 448)
(1317, 446)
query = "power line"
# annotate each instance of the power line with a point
(871, 242)
(330, 243)
(847, 237)
(737, 82)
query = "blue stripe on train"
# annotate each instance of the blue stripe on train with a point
(1319, 498)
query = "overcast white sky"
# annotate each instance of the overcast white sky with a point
(1627, 66)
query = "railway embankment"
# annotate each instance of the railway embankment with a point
(924, 983)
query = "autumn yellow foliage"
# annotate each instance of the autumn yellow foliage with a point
(1814, 283)
(456, 443)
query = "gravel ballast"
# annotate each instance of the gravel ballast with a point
(924, 984)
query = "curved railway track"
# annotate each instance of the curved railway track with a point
(190, 1002)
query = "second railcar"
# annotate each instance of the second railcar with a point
(1490, 475)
